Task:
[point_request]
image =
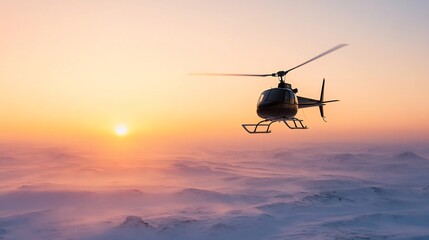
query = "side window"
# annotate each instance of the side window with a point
(261, 98)
(264, 96)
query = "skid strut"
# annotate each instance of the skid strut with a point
(264, 125)
(300, 125)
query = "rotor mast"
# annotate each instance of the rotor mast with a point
(281, 75)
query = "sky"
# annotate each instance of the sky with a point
(70, 71)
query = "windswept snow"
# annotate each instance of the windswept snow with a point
(320, 193)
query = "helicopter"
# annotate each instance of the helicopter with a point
(281, 104)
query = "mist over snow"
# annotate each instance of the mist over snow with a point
(320, 192)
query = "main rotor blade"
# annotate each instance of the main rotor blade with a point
(319, 56)
(280, 74)
(232, 74)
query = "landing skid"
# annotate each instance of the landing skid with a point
(264, 125)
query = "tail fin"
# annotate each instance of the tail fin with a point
(321, 100)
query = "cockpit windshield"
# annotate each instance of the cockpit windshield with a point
(277, 95)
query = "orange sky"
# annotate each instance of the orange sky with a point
(70, 71)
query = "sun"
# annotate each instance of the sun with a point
(121, 130)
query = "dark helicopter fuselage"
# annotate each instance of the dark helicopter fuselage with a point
(281, 104)
(277, 103)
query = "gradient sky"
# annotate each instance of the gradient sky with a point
(71, 70)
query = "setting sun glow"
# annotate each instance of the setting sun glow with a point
(121, 130)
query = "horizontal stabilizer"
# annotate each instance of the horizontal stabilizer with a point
(304, 102)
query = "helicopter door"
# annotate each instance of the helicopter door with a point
(286, 97)
(289, 98)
